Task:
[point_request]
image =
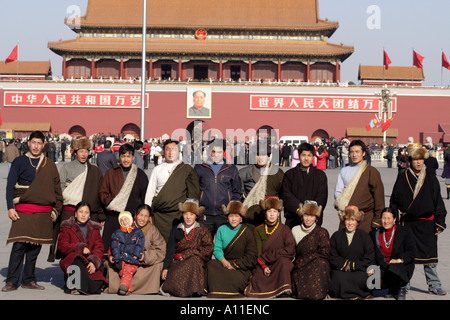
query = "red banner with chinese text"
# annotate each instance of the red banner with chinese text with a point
(74, 99)
(317, 103)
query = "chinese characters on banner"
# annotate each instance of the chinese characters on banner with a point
(317, 103)
(61, 99)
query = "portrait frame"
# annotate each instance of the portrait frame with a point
(191, 112)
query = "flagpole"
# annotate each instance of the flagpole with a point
(412, 70)
(17, 79)
(384, 67)
(143, 81)
(442, 67)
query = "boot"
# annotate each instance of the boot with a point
(401, 294)
(51, 254)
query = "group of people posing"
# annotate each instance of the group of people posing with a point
(214, 230)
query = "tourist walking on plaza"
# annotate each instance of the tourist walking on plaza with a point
(34, 181)
(360, 184)
(416, 196)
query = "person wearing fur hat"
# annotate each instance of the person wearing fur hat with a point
(352, 252)
(189, 248)
(127, 250)
(417, 198)
(80, 181)
(311, 274)
(235, 255)
(276, 249)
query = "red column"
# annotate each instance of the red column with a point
(250, 78)
(220, 71)
(179, 69)
(93, 73)
(338, 72)
(308, 72)
(64, 68)
(279, 71)
(122, 69)
(150, 69)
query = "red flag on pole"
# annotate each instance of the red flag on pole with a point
(445, 63)
(417, 60)
(13, 56)
(386, 60)
(386, 124)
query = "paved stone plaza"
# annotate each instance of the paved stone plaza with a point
(50, 275)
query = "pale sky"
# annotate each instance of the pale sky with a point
(368, 25)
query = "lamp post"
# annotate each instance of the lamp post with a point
(385, 109)
(144, 54)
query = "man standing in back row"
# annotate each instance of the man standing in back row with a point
(359, 184)
(34, 199)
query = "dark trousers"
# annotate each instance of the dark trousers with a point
(87, 285)
(19, 252)
(213, 222)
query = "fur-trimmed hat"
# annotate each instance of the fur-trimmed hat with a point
(191, 205)
(126, 214)
(271, 203)
(235, 206)
(82, 143)
(309, 208)
(352, 212)
(417, 151)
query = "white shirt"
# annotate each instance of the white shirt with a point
(158, 179)
(345, 176)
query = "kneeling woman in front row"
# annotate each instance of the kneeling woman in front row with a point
(394, 252)
(80, 244)
(276, 250)
(189, 248)
(235, 255)
(352, 252)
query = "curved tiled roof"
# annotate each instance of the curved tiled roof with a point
(207, 47)
(26, 67)
(393, 73)
(235, 14)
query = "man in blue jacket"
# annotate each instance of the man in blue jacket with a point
(219, 184)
